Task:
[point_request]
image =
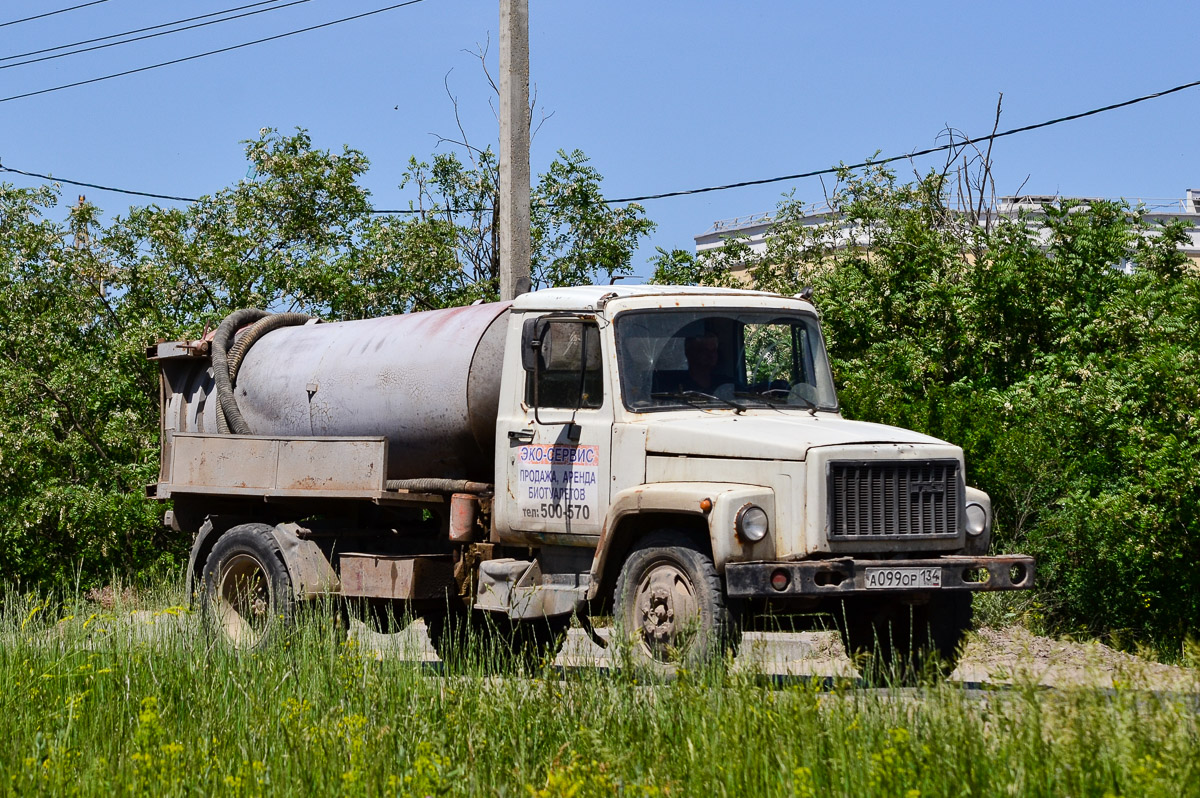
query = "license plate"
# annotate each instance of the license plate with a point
(904, 578)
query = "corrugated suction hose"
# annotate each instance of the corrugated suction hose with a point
(227, 356)
(435, 485)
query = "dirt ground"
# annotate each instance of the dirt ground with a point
(1003, 656)
(992, 656)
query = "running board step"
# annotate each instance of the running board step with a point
(518, 589)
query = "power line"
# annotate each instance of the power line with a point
(942, 148)
(135, 30)
(142, 30)
(81, 184)
(210, 52)
(831, 170)
(131, 192)
(51, 13)
(393, 211)
(155, 35)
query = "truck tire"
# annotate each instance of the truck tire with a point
(892, 641)
(492, 642)
(669, 607)
(248, 597)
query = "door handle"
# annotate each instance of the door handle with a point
(522, 435)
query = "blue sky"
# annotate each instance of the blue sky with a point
(661, 95)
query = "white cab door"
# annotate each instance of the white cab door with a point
(558, 439)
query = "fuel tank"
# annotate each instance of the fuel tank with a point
(429, 382)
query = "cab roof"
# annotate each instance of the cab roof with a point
(593, 297)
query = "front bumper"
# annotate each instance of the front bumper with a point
(849, 575)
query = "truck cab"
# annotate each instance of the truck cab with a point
(646, 419)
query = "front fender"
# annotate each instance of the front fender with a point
(684, 498)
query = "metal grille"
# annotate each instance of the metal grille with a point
(894, 500)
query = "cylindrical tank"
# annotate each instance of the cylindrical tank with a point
(429, 382)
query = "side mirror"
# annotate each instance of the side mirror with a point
(557, 353)
(533, 334)
(558, 345)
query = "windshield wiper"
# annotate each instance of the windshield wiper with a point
(691, 396)
(764, 396)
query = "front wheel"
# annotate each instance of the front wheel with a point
(669, 606)
(248, 597)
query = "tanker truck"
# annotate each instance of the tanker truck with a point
(672, 457)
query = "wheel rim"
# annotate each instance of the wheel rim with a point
(666, 610)
(244, 600)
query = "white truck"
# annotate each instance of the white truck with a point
(671, 456)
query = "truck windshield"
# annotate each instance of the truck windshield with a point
(722, 358)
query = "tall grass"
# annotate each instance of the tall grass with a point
(95, 702)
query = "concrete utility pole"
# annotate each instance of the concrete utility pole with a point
(514, 148)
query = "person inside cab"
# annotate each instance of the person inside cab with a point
(705, 356)
(702, 352)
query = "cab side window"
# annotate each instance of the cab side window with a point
(569, 374)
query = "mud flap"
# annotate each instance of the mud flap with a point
(311, 572)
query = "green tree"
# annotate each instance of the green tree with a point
(450, 248)
(77, 446)
(286, 239)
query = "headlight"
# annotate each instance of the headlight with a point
(976, 519)
(751, 523)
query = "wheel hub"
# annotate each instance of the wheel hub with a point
(658, 616)
(666, 608)
(244, 600)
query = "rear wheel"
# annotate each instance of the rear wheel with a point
(890, 640)
(669, 606)
(248, 596)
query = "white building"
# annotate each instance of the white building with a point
(755, 229)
